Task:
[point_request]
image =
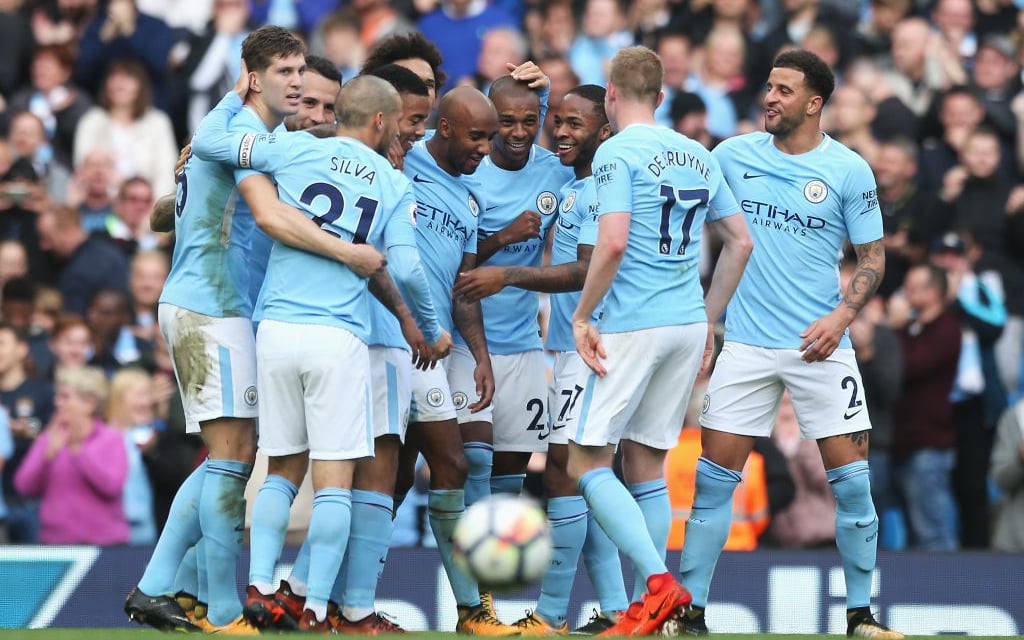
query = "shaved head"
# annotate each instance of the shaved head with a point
(507, 87)
(466, 123)
(362, 98)
(465, 104)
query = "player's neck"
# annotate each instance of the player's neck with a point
(435, 151)
(629, 113)
(502, 162)
(270, 119)
(799, 141)
(362, 135)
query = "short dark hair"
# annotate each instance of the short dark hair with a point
(593, 94)
(19, 289)
(817, 76)
(134, 69)
(684, 103)
(403, 80)
(323, 67)
(407, 45)
(264, 44)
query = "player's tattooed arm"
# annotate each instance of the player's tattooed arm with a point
(559, 278)
(469, 321)
(865, 281)
(383, 287)
(162, 218)
(821, 338)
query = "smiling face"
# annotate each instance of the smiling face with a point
(786, 102)
(280, 84)
(412, 127)
(518, 122)
(317, 104)
(579, 130)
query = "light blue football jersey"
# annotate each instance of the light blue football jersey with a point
(350, 191)
(800, 209)
(576, 225)
(259, 247)
(510, 316)
(213, 229)
(446, 225)
(670, 184)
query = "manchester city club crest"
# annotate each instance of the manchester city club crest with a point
(707, 403)
(460, 399)
(474, 208)
(250, 396)
(435, 397)
(547, 202)
(569, 201)
(815, 191)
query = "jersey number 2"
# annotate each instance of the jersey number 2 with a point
(336, 199)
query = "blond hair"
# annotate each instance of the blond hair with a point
(120, 385)
(88, 382)
(637, 74)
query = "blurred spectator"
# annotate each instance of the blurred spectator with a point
(674, 51)
(121, 32)
(125, 122)
(341, 43)
(809, 520)
(20, 196)
(71, 344)
(49, 308)
(602, 33)
(15, 47)
(848, 118)
(690, 118)
(414, 52)
(995, 76)
(892, 117)
(647, 19)
(563, 79)
(183, 16)
(148, 273)
(17, 308)
(457, 27)
(718, 79)
(800, 17)
(556, 33)
(28, 402)
(924, 435)
(960, 114)
(499, 46)
(874, 31)
(301, 16)
(77, 467)
(978, 395)
(130, 413)
(93, 188)
(53, 98)
(1008, 476)
(920, 70)
(908, 219)
(954, 20)
(378, 20)
(129, 226)
(114, 345)
(29, 141)
(6, 451)
(822, 42)
(13, 261)
(61, 21)
(88, 263)
(877, 349)
(211, 66)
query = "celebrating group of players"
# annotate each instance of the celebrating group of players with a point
(290, 229)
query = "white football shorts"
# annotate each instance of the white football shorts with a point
(565, 391)
(214, 362)
(746, 387)
(391, 386)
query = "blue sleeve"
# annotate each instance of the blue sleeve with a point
(613, 179)
(212, 141)
(860, 205)
(6, 442)
(90, 54)
(543, 95)
(723, 202)
(407, 270)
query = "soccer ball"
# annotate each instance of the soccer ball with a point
(503, 542)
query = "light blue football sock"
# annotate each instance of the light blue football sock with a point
(856, 529)
(270, 513)
(480, 456)
(511, 484)
(300, 570)
(708, 527)
(652, 498)
(367, 552)
(621, 518)
(568, 519)
(604, 567)
(181, 532)
(444, 508)
(328, 535)
(222, 519)
(187, 578)
(202, 576)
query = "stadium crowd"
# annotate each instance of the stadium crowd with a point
(96, 98)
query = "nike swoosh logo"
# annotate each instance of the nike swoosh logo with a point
(864, 525)
(557, 427)
(848, 415)
(417, 178)
(748, 176)
(491, 208)
(657, 612)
